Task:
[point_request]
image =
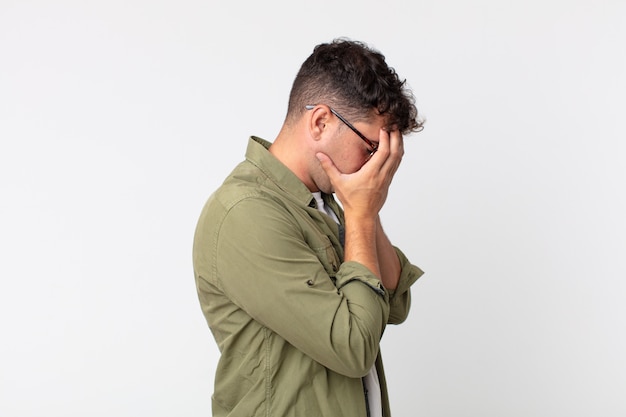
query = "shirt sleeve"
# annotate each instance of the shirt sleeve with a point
(265, 263)
(400, 298)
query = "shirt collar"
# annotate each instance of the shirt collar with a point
(257, 153)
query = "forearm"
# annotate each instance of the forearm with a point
(361, 241)
(367, 243)
(388, 261)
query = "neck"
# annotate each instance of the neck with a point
(289, 149)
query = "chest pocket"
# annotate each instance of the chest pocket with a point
(327, 254)
(333, 261)
(319, 233)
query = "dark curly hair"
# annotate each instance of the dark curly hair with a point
(354, 79)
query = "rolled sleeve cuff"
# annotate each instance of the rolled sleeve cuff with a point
(354, 271)
(410, 273)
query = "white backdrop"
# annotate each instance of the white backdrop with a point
(119, 118)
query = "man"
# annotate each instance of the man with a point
(296, 289)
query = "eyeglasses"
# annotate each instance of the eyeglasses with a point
(372, 145)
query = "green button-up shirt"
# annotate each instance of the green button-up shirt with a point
(296, 326)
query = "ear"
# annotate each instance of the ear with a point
(318, 118)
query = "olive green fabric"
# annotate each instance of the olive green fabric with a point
(297, 328)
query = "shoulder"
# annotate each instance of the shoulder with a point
(237, 210)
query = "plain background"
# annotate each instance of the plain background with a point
(119, 118)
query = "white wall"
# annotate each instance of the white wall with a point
(119, 118)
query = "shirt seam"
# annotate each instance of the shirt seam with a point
(268, 377)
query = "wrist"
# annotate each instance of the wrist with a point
(363, 218)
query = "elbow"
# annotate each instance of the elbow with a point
(360, 372)
(356, 358)
(355, 370)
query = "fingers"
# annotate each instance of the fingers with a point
(397, 143)
(390, 152)
(396, 149)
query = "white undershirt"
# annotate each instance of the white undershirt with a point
(372, 384)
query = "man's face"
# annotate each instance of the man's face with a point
(346, 149)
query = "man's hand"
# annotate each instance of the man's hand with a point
(362, 194)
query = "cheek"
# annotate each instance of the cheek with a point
(347, 159)
(352, 163)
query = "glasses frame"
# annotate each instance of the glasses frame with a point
(372, 145)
